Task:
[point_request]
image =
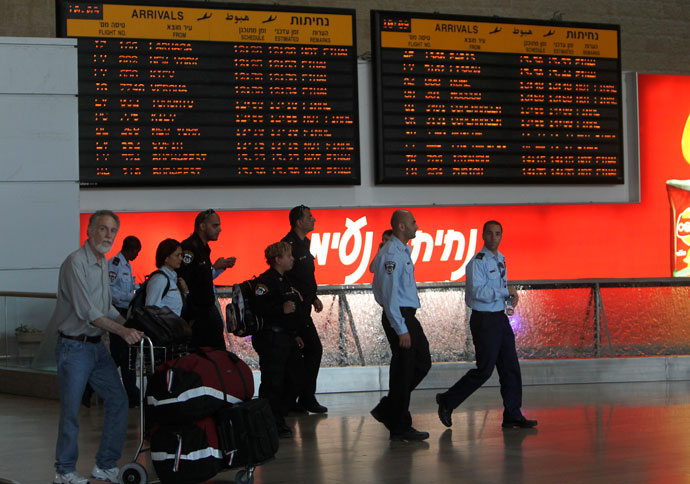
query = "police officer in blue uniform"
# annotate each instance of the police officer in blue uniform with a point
(395, 290)
(487, 293)
(122, 288)
(122, 284)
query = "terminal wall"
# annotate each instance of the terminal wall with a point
(655, 34)
(39, 192)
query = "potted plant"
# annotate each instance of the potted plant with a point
(28, 340)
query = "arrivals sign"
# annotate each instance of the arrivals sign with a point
(210, 93)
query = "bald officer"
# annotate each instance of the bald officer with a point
(395, 290)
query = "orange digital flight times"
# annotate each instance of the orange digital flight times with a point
(486, 100)
(222, 94)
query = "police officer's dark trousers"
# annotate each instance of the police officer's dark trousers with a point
(207, 327)
(494, 344)
(311, 353)
(408, 368)
(281, 369)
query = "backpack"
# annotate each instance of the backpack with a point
(139, 299)
(239, 313)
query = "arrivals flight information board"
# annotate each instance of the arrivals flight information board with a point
(488, 100)
(207, 93)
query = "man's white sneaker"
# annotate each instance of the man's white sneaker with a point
(70, 478)
(108, 475)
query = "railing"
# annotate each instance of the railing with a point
(555, 319)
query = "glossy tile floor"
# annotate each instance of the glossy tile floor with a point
(605, 433)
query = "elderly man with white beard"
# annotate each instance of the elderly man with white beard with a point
(83, 312)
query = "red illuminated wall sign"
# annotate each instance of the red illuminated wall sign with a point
(540, 242)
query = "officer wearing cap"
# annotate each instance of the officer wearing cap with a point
(395, 290)
(198, 272)
(486, 293)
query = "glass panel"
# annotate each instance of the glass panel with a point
(555, 323)
(26, 340)
(647, 321)
(446, 324)
(4, 335)
(549, 323)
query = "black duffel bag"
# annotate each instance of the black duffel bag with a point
(163, 326)
(197, 385)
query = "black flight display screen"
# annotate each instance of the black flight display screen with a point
(192, 93)
(490, 100)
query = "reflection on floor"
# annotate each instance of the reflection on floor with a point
(605, 433)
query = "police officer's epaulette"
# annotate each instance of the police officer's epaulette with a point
(116, 261)
(480, 255)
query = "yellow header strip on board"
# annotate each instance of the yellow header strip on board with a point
(504, 38)
(216, 25)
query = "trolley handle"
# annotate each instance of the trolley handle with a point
(146, 340)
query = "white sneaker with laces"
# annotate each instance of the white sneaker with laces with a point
(108, 475)
(70, 478)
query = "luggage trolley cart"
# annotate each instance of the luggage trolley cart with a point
(143, 358)
(133, 472)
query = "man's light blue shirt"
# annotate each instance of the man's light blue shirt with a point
(486, 286)
(394, 284)
(121, 281)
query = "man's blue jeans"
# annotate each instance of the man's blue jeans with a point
(77, 364)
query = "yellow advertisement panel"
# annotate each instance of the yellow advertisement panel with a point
(217, 25)
(503, 38)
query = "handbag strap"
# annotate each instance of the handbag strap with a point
(234, 359)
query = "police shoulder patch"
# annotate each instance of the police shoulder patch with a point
(187, 256)
(389, 266)
(116, 261)
(260, 290)
(113, 276)
(480, 255)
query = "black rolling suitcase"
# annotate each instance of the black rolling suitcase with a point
(242, 435)
(252, 431)
(188, 453)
